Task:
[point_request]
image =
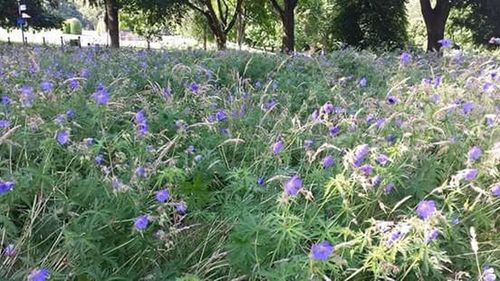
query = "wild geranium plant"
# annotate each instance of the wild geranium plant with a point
(164, 165)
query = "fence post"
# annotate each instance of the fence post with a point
(79, 42)
(43, 39)
(26, 40)
(62, 44)
(149, 46)
(8, 40)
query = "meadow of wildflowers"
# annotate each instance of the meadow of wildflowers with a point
(191, 165)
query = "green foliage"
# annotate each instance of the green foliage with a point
(367, 23)
(72, 26)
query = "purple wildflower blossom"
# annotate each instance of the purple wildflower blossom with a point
(474, 153)
(360, 152)
(4, 123)
(467, 107)
(489, 274)
(327, 162)
(334, 131)
(446, 43)
(46, 86)
(376, 180)
(431, 235)
(495, 190)
(261, 181)
(141, 222)
(181, 207)
(6, 186)
(328, 107)
(321, 251)
(9, 250)
(388, 188)
(391, 100)
(382, 159)
(405, 58)
(27, 96)
(62, 137)
(38, 274)
(293, 185)
(366, 169)
(425, 209)
(140, 172)
(277, 147)
(467, 174)
(162, 196)
(5, 100)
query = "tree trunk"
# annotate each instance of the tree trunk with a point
(288, 19)
(112, 22)
(435, 22)
(240, 36)
(221, 40)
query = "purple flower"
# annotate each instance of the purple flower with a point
(27, 96)
(334, 131)
(391, 100)
(88, 141)
(314, 115)
(99, 159)
(198, 158)
(166, 92)
(328, 107)
(467, 174)
(181, 207)
(220, 115)
(162, 196)
(380, 123)
(467, 107)
(435, 98)
(101, 97)
(38, 274)
(277, 147)
(405, 58)
(446, 43)
(140, 172)
(308, 144)
(425, 209)
(271, 103)
(398, 233)
(360, 152)
(390, 138)
(70, 113)
(388, 188)
(46, 86)
(327, 162)
(489, 274)
(194, 87)
(431, 235)
(474, 153)
(6, 186)
(376, 180)
(141, 123)
(9, 250)
(62, 137)
(5, 100)
(366, 169)
(85, 73)
(4, 123)
(363, 82)
(488, 87)
(293, 185)
(73, 83)
(382, 159)
(496, 190)
(489, 120)
(321, 251)
(261, 181)
(141, 222)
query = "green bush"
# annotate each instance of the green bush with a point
(72, 26)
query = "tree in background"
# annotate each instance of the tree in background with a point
(369, 23)
(221, 16)
(435, 21)
(39, 11)
(286, 13)
(480, 17)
